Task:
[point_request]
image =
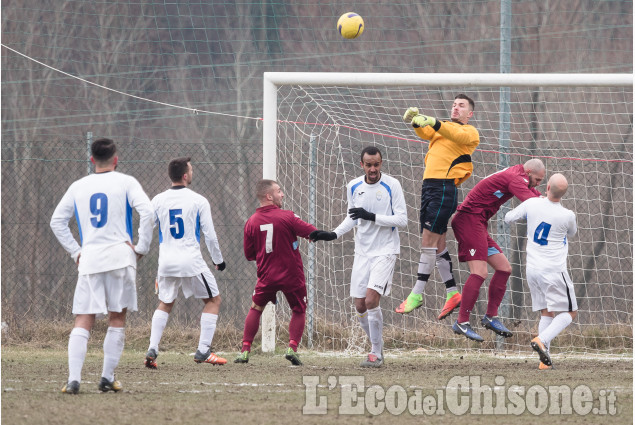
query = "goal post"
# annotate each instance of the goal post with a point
(315, 125)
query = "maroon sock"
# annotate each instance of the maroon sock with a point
(296, 327)
(252, 323)
(497, 287)
(469, 296)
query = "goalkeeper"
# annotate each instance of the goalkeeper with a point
(376, 206)
(448, 163)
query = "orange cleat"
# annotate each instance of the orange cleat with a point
(451, 304)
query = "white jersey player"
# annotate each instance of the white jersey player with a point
(549, 226)
(184, 217)
(102, 205)
(376, 208)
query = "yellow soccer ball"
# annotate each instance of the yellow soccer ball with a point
(350, 25)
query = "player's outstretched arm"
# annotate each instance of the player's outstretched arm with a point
(321, 235)
(518, 213)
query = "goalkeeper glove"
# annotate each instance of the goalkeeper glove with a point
(410, 114)
(220, 267)
(356, 213)
(423, 120)
(321, 235)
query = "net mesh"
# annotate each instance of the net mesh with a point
(583, 133)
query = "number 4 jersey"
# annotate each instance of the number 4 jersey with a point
(102, 204)
(271, 238)
(548, 226)
(183, 216)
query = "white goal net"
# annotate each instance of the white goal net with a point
(580, 125)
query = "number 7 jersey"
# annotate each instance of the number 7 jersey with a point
(271, 238)
(183, 216)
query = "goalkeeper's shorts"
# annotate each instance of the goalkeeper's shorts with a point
(439, 199)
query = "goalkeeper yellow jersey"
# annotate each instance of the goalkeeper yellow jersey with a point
(450, 152)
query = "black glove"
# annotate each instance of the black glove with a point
(356, 213)
(220, 267)
(321, 235)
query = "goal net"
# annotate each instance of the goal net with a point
(316, 125)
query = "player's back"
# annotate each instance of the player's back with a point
(548, 225)
(271, 238)
(102, 210)
(487, 196)
(178, 213)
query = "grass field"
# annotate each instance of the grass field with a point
(269, 390)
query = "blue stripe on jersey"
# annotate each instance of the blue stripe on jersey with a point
(355, 186)
(389, 194)
(160, 233)
(197, 232)
(79, 225)
(128, 219)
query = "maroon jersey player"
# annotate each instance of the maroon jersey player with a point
(271, 239)
(478, 249)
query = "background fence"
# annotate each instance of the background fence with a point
(210, 56)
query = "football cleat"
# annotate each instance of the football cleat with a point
(540, 348)
(71, 387)
(543, 366)
(466, 330)
(293, 357)
(106, 385)
(372, 361)
(151, 359)
(494, 325)
(451, 304)
(412, 302)
(208, 357)
(242, 357)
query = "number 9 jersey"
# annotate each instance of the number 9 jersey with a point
(183, 216)
(102, 204)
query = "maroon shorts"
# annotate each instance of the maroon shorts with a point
(295, 295)
(471, 234)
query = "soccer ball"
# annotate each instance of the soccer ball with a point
(350, 25)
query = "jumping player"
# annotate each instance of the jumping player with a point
(478, 248)
(448, 163)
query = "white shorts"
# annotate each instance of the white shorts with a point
(372, 273)
(100, 293)
(553, 291)
(201, 286)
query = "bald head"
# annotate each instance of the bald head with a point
(535, 170)
(557, 187)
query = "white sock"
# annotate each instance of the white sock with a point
(544, 323)
(208, 327)
(426, 266)
(376, 327)
(113, 347)
(363, 321)
(560, 322)
(77, 348)
(159, 322)
(444, 265)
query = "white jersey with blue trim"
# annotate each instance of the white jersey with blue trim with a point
(102, 204)
(386, 200)
(182, 216)
(548, 226)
